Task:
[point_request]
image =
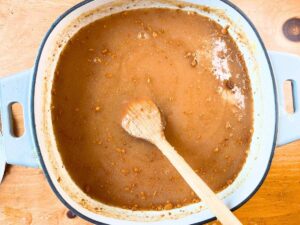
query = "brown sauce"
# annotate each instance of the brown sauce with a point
(190, 67)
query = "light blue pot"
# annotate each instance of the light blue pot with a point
(37, 147)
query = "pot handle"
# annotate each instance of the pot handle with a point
(287, 67)
(17, 150)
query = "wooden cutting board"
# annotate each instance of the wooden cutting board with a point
(26, 198)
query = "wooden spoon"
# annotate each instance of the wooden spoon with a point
(142, 119)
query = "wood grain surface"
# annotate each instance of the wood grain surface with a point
(25, 196)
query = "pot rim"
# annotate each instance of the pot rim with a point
(37, 61)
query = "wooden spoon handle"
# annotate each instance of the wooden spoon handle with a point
(197, 184)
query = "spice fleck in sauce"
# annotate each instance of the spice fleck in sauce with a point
(190, 67)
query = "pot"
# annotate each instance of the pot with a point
(273, 126)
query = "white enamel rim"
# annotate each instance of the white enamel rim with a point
(265, 117)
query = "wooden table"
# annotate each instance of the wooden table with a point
(26, 198)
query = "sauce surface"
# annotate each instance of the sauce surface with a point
(190, 67)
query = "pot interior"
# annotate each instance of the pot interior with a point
(264, 102)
